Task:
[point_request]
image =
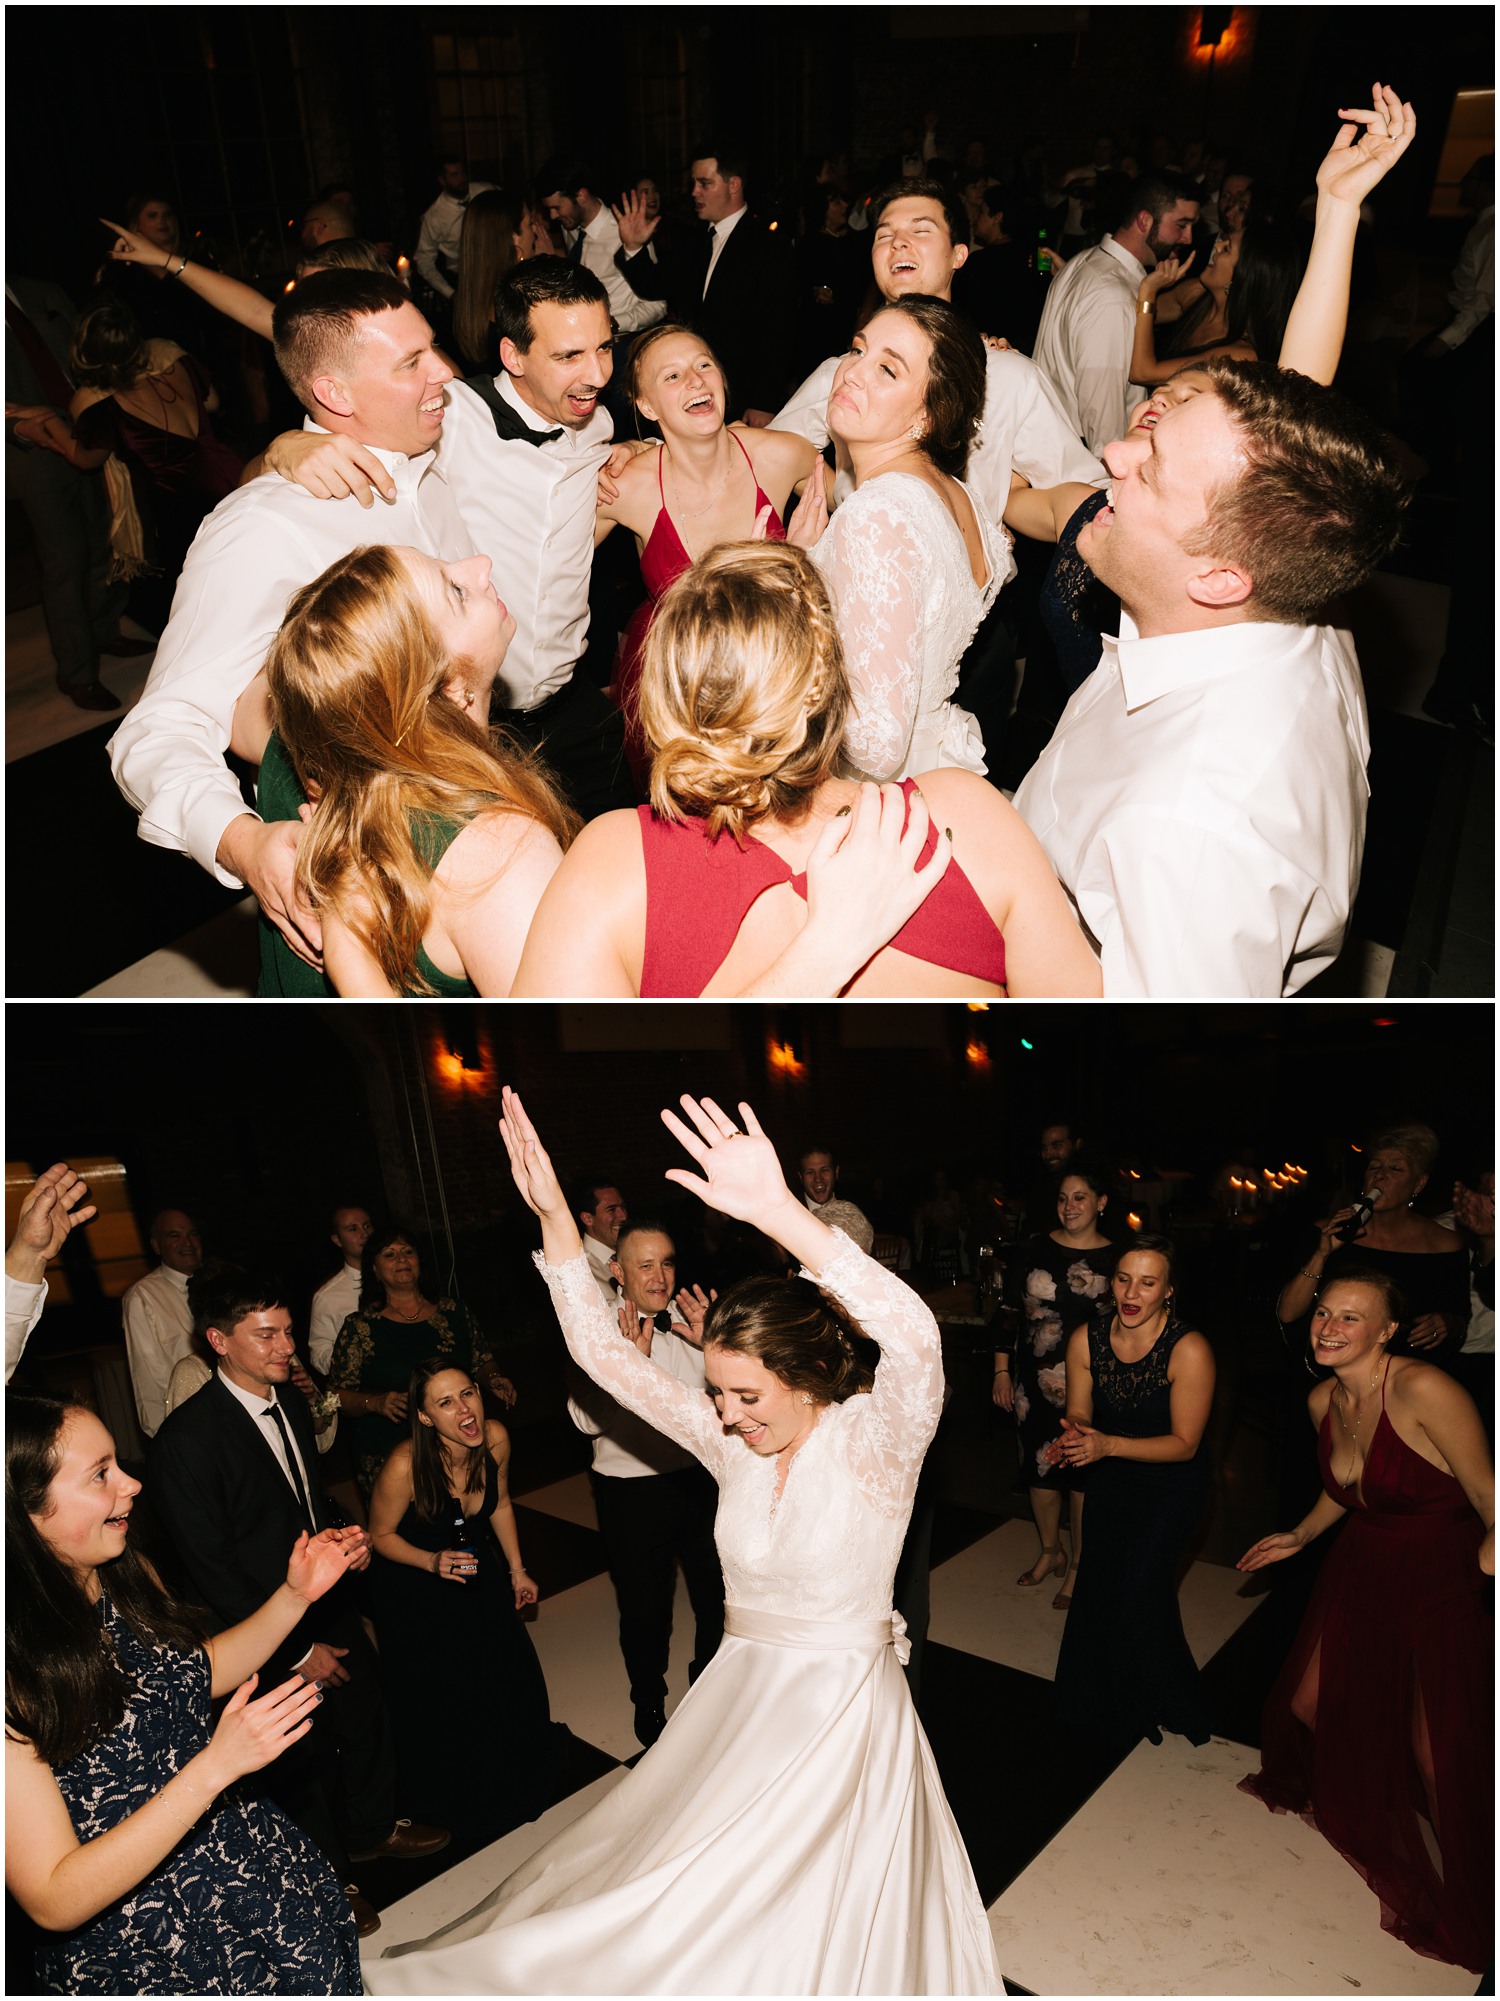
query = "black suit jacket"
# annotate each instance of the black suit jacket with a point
(748, 317)
(233, 1517)
(51, 312)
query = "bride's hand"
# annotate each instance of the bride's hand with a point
(741, 1175)
(530, 1163)
(809, 518)
(863, 879)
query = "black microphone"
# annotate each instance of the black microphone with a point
(1349, 1229)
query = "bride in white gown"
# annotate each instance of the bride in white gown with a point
(788, 1834)
(910, 558)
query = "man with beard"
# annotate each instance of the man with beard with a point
(1083, 344)
(1203, 798)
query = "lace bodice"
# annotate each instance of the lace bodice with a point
(907, 605)
(827, 1548)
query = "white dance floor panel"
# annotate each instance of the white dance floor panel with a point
(978, 1607)
(1169, 1881)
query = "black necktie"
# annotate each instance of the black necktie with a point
(662, 1322)
(273, 1412)
(575, 252)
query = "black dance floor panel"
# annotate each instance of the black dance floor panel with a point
(1010, 1765)
(558, 1554)
(113, 898)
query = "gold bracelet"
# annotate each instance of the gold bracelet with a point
(1146, 306)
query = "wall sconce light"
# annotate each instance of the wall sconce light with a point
(977, 1054)
(1213, 26)
(1133, 1220)
(782, 1058)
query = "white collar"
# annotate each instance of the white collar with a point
(1150, 668)
(395, 463)
(256, 1403)
(178, 1278)
(1126, 257)
(726, 223)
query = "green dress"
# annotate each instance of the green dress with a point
(283, 976)
(377, 1354)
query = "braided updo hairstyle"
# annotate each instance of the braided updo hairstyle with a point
(743, 693)
(793, 1330)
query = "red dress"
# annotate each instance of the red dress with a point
(698, 892)
(663, 561)
(1400, 1609)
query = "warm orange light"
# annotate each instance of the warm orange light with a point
(290, 285)
(977, 1007)
(450, 1067)
(1231, 43)
(781, 1056)
(1133, 1220)
(978, 1053)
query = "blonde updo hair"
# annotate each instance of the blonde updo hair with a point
(743, 695)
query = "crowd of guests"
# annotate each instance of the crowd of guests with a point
(466, 727)
(306, 1495)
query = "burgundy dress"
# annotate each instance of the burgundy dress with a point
(698, 892)
(1401, 1611)
(663, 561)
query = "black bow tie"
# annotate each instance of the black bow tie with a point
(662, 1322)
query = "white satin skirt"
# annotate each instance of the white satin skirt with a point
(787, 1834)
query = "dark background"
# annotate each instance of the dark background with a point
(240, 114)
(259, 1119)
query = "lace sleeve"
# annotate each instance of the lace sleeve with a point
(900, 1415)
(619, 1367)
(873, 566)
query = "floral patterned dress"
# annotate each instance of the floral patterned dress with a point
(244, 1904)
(1055, 1289)
(377, 1354)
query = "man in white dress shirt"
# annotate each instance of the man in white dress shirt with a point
(521, 455)
(654, 1501)
(361, 359)
(565, 191)
(1084, 342)
(438, 240)
(600, 1209)
(49, 1212)
(1203, 798)
(158, 1319)
(818, 1172)
(919, 240)
(338, 1296)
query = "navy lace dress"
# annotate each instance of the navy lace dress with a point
(1075, 607)
(1125, 1670)
(244, 1904)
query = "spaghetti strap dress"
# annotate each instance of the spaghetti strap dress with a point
(1401, 1636)
(663, 561)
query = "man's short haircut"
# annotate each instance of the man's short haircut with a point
(330, 210)
(1320, 501)
(451, 160)
(1159, 191)
(818, 1147)
(637, 1226)
(541, 281)
(315, 327)
(586, 1193)
(343, 1208)
(731, 161)
(563, 174)
(153, 1228)
(226, 1296)
(935, 190)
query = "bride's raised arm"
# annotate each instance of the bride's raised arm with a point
(594, 1339)
(742, 1176)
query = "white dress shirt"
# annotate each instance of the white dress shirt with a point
(723, 230)
(158, 1333)
(625, 1447)
(1084, 343)
(1203, 803)
(332, 1304)
(1023, 429)
(257, 1405)
(1473, 294)
(600, 1257)
(530, 508)
(23, 1309)
(257, 547)
(442, 228)
(601, 239)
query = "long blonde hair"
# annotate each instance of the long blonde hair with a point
(356, 676)
(743, 696)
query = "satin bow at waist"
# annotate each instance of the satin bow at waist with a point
(780, 1629)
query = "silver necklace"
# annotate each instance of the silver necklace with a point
(1353, 1436)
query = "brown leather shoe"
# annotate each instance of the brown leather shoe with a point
(366, 1917)
(407, 1840)
(93, 695)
